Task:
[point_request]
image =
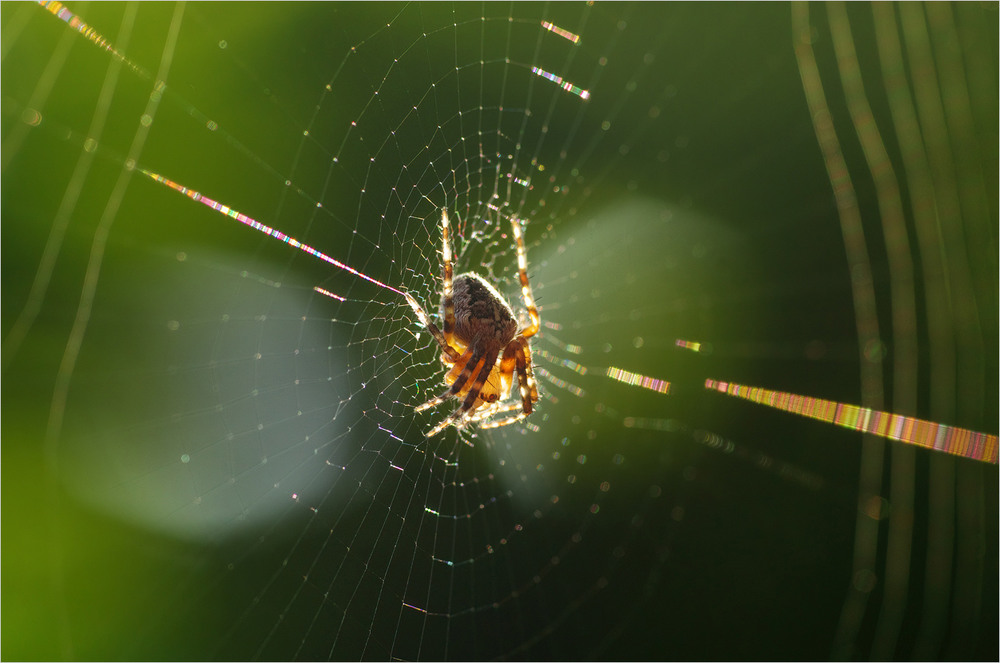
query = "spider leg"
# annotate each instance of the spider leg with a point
(458, 417)
(522, 270)
(525, 377)
(517, 357)
(493, 410)
(473, 355)
(440, 427)
(529, 373)
(471, 359)
(516, 353)
(437, 400)
(507, 421)
(477, 386)
(470, 366)
(425, 320)
(447, 299)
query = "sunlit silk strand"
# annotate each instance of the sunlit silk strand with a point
(694, 346)
(267, 230)
(949, 439)
(60, 11)
(566, 34)
(329, 294)
(566, 85)
(637, 380)
(562, 384)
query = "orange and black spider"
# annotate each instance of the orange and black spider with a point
(482, 344)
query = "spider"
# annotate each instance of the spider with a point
(481, 343)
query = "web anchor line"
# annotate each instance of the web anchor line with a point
(60, 11)
(276, 234)
(909, 430)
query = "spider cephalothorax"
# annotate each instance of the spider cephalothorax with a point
(481, 343)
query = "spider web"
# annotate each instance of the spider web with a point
(230, 465)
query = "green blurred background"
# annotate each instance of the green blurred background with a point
(703, 211)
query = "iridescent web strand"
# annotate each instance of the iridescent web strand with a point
(910, 430)
(61, 12)
(329, 294)
(558, 80)
(267, 230)
(566, 34)
(637, 380)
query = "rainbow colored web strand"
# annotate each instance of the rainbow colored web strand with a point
(329, 294)
(565, 34)
(949, 439)
(558, 80)
(267, 230)
(60, 11)
(638, 380)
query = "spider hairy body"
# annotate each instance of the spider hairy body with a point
(481, 343)
(484, 318)
(482, 313)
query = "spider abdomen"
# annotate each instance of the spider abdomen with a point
(482, 313)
